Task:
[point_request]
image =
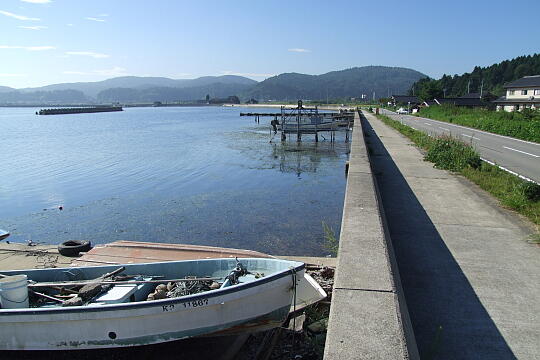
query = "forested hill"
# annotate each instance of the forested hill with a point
(352, 82)
(493, 77)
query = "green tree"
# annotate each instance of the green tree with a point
(522, 70)
(430, 90)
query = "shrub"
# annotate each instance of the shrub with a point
(531, 191)
(451, 154)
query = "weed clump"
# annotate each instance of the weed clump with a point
(451, 154)
(531, 191)
(331, 243)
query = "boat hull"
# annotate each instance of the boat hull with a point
(244, 308)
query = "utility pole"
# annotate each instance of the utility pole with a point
(326, 96)
(481, 88)
(469, 87)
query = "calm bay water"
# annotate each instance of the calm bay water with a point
(200, 175)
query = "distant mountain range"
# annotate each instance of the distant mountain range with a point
(132, 89)
(6, 89)
(353, 82)
(92, 89)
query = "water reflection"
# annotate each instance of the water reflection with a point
(298, 158)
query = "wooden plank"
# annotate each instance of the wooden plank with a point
(128, 252)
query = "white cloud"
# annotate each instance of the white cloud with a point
(88, 53)
(299, 50)
(115, 71)
(12, 75)
(37, 1)
(39, 48)
(258, 75)
(29, 48)
(69, 24)
(33, 27)
(103, 15)
(95, 19)
(18, 17)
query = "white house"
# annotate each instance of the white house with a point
(520, 94)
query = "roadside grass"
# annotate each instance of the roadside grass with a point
(523, 125)
(454, 155)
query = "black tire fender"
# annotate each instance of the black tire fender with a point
(72, 248)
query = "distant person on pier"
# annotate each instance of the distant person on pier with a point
(274, 124)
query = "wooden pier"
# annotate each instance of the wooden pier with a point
(303, 120)
(78, 110)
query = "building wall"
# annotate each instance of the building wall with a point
(531, 91)
(517, 107)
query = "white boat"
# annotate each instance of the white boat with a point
(121, 317)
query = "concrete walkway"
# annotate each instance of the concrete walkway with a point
(469, 275)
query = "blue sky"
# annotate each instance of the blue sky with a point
(53, 41)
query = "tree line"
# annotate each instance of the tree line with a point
(488, 79)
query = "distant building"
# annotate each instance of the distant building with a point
(461, 101)
(470, 100)
(520, 94)
(229, 100)
(405, 100)
(429, 103)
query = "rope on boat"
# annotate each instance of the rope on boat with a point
(294, 305)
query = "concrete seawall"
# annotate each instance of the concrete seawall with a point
(368, 317)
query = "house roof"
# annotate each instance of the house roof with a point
(461, 101)
(406, 99)
(504, 100)
(526, 81)
(470, 96)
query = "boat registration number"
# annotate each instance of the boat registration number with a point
(187, 304)
(195, 303)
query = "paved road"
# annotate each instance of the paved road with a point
(519, 156)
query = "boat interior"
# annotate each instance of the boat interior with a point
(116, 284)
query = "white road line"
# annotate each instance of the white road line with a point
(471, 136)
(523, 152)
(428, 124)
(444, 128)
(510, 171)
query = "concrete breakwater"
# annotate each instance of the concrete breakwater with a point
(78, 110)
(368, 316)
